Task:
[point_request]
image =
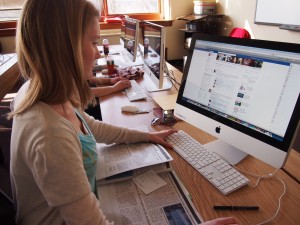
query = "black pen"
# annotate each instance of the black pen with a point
(232, 207)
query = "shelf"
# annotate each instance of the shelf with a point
(194, 17)
(189, 31)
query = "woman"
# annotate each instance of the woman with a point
(53, 155)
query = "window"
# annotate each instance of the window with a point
(126, 6)
(140, 9)
(10, 9)
(11, 4)
(9, 13)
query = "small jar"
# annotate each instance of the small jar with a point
(130, 45)
(110, 65)
(146, 46)
(105, 46)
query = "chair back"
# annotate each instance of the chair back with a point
(240, 33)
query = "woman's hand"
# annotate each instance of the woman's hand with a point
(121, 85)
(158, 137)
(222, 221)
(114, 80)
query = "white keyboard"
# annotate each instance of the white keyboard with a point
(216, 170)
(135, 92)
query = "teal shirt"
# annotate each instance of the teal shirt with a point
(89, 153)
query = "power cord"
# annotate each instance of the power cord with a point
(270, 175)
(171, 77)
(174, 79)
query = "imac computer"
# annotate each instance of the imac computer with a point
(154, 57)
(244, 92)
(129, 37)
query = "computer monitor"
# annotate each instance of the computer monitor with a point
(154, 58)
(244, 92)
(129, 37)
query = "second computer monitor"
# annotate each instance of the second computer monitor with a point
(154, 57)
(129, 37)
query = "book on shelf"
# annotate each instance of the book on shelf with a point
(136, 185)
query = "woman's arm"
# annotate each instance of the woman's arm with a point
(98, 81)
(113, 85)
(83, 211)
(116, 134)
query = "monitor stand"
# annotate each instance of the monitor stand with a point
(151, 87)
(228, 152)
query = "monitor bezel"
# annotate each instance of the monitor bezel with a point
(285, 145)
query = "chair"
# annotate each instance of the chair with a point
(10, 82)
(7, 210)
(238, 32)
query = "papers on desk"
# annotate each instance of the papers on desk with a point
(5, 57)
(125, 203)
(7, 61)
(137, 186)
(166, 102)
(116, 159)
(149, 181)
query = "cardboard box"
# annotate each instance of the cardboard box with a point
(204, 8)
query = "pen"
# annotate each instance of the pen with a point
(232, 207)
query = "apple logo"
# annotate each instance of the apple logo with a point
(218, 129)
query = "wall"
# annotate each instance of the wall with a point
(241, 14)
(8, 44)
(175, 38)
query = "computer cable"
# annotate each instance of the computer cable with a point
(174, 79)
(171, 79)
(268, 176)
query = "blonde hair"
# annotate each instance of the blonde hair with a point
(49, 48)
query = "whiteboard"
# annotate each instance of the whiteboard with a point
(277, 12)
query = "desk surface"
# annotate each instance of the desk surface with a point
(204, 195)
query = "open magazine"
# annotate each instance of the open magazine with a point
(125, 203)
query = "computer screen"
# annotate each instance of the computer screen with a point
(154, 58)
(245, 92)
(130, 36)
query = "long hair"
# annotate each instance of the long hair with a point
(49, 49)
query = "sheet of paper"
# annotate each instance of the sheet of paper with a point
(149, 182)
(166, 101)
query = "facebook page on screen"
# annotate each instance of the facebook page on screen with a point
(251, 86)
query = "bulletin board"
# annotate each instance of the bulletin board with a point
(277, 12)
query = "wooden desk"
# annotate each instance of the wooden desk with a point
(292, 165)
(204, 194)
